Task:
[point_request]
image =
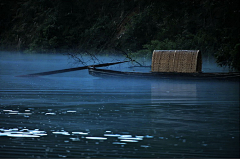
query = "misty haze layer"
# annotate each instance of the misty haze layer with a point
(77, 115)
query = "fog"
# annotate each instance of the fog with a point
(74, 114)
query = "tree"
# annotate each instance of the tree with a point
(136, 27)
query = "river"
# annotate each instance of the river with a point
(76, 115)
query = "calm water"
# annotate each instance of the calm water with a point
(76, 115)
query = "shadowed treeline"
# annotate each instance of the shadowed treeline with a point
(137, 27)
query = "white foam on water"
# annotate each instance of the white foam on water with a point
(145, 146)
(112, 135)
(21, 135)
(15, 132)
(108, 131)
(4, 134)
(147, 136)
(129, 140)
(7, 130)
(13, 113)
(119, 143)
(140, 137)
(71, 111)
(80, 133)
(24, 113)
(61, 133)
(96, 138)
(126, 135)
(37, 131)
(41, 134)
(50, 113)
(75, 139)
(7, 110)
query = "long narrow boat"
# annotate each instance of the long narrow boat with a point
(105, 73)
(170, 64)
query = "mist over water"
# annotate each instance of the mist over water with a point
(77, 115)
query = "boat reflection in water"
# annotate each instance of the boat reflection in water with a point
(173, 91)
(77, 115)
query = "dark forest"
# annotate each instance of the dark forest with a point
(135, 27)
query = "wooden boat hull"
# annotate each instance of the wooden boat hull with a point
(104, 73)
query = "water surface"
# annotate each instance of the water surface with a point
(76, 115)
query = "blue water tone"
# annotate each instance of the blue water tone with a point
(76, 115)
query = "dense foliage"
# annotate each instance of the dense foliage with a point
(133, 26)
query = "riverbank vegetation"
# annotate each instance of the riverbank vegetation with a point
(133, 27)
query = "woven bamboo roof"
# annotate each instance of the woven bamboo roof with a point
(185, 61)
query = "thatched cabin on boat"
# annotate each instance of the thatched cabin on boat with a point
(184, 61)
